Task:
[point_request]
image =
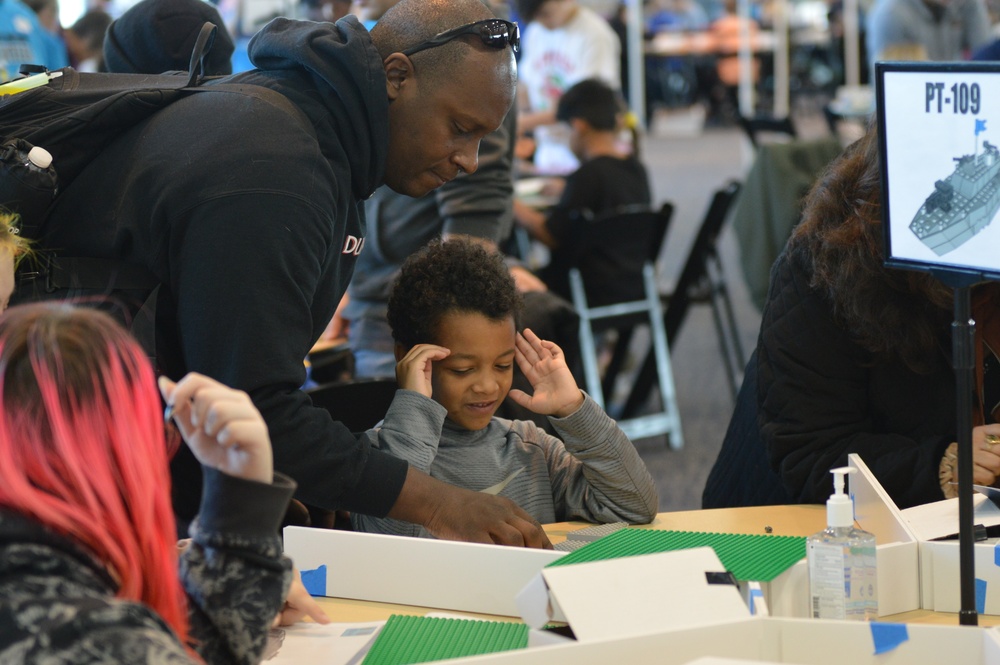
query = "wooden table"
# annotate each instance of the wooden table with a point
(801, 520)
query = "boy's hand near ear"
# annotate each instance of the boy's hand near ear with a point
(415, 370)
(544, 365)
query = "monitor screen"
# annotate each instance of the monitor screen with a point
(939, 128)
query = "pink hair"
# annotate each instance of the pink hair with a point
(82, 447)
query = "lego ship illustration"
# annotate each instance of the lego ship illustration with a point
(961, 205)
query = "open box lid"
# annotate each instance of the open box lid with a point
(635, 595)
(877, 513)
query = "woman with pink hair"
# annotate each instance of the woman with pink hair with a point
(88, 557)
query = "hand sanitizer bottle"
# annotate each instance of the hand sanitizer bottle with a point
(842, 573)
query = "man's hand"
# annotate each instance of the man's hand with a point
(415, 370)
(544, 365)
(453, 513)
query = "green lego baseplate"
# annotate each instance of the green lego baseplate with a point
(757, 558)
(415, 639)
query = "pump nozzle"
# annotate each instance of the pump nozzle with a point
(840, 508)
(838, 478)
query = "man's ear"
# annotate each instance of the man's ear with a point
(398, 70)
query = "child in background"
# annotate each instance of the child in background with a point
(610, 177)
(453, 316)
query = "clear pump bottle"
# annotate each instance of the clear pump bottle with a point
(843, 580)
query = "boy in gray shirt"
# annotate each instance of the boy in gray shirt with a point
(453, 316)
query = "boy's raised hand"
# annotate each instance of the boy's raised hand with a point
(414, 371)
(543, 363)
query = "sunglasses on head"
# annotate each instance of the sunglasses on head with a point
(495, 33)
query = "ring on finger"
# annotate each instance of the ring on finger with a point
(992, 440)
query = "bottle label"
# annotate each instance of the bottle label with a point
(843, 580)
(827, 581)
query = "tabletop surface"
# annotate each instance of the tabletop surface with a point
(799, 520)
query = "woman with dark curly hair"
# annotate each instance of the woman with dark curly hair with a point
(453, 314)
(855, 357)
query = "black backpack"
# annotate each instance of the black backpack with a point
(74, 116)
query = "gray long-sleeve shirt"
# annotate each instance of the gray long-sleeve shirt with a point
(594, 473)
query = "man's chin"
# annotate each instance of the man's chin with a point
(414, 188)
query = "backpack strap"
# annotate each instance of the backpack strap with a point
(202, 46)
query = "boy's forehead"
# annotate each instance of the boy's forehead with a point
(472, 333)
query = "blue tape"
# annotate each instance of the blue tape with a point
(980, 596)
(754, 595)
(315, 581)
(888, 636)
(996, 554)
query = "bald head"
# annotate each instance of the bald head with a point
(443, 98)
(412, 22)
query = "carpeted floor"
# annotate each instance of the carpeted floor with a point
(687, 170)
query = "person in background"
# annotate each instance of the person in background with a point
(453, 313)
(944, 29)
(254, 245)
(855, 357)
(156, 36)
(87, 536)
(609, 177)
(24, 41)
(564, 44)
(48, 15)
(327, 10)
(85, 41)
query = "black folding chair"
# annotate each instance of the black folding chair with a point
(756, 126)
(625, 243)
(702, 281)
(359, 405)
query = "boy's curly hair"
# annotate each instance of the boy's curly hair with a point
(457, 275)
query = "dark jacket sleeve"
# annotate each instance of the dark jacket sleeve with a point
(822, 396)
(248, 315)
(234, 572)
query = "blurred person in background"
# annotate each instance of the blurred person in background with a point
(85, 41)
(563, 44)
(24, 40)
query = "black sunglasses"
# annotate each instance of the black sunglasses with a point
(495, 33)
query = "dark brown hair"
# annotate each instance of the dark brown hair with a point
(897, 314)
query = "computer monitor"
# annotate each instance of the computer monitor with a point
(939, 129)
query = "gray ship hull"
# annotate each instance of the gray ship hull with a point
(963, 204)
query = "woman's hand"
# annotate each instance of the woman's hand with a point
(221, 426)
(415, 370)
(298, 604)
(985, 454)
(544, 365)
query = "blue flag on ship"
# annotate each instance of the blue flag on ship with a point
(980, 126)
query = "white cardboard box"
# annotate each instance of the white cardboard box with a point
(770, 640)
(632, 596)
(466, 577)
(898, 552)
(937, 584)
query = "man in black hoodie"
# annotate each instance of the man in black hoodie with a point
(249, 213)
